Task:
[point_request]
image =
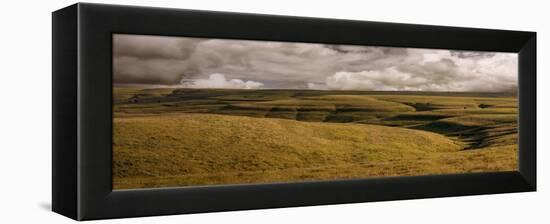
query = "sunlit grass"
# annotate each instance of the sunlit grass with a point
(181, 137)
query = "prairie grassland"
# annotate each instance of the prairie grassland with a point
(182, 137)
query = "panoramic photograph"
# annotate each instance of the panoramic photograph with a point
(203, 111)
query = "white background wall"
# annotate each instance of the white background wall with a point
(25, 114)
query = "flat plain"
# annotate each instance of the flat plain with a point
(168, 137)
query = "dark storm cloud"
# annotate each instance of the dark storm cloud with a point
(217, 63)
(153, 47)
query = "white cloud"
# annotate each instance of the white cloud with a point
(435, 76)
(218, 81)
(384, 80)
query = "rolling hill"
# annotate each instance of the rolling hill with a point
(180, 149)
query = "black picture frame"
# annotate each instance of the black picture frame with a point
(82, 115)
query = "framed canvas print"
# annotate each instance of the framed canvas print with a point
(168, 111)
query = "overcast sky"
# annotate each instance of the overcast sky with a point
(242, 64)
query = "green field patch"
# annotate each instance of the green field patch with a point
(483, 119)
(285, 114)
(426, 103)
(317, 116)
(418, 117)
(361, 103)
(489, 110)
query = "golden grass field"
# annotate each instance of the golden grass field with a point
(183, 137)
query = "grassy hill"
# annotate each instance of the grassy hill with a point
(179, 137)
(221, 149)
